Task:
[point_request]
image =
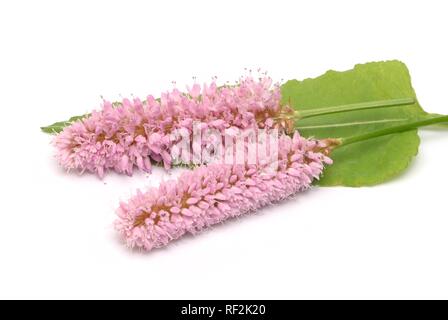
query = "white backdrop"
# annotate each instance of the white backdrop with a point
(56, 235)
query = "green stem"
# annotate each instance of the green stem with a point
(391, 130)
(353, 107)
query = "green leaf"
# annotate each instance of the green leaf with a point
(369, 162)
(57, 127)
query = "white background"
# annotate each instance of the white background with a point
(56, 235)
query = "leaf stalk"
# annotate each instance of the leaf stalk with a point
(302, 114)
(391, 130)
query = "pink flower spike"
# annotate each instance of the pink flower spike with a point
(230, 192)
(129, 134)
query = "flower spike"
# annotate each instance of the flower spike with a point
(211, 194)
(129, 134)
